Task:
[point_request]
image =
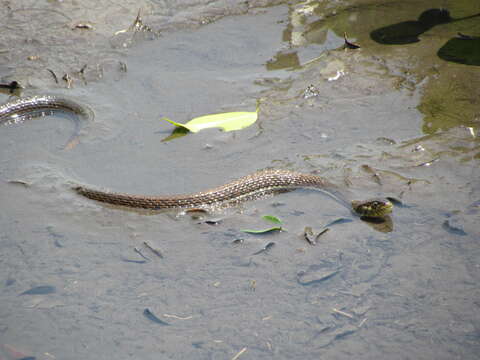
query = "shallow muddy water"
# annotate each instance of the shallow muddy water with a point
(79, 279)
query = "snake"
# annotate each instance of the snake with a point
(22, 109)
(249, 187)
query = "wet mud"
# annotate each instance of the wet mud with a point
(81, 279)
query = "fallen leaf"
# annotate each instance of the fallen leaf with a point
(226, 121)
(272, 219)
(40, 290)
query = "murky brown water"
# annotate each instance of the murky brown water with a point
(387, 120)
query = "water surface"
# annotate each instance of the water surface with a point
(379, 121)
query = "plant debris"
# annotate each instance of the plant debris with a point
(137, 250)
(263, 231)
(349, 44)
(265, 248)
(343, 313)
(54, 75)
(428, 163)
(308, 278)
(153, 250)
(83, 26)
(239, 353)
(311, 237)
(271, 219)
(40, 290)
(375, 174)
(152, 317)
(226, 121)
(138, 26)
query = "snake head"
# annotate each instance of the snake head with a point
(373, 208)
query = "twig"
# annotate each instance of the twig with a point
(321, 233)
(239, 353)
(54, 75)
(343, 313)
(137, 250)
(349, 44)
(155, 251)
(362, 322)
(178, 317)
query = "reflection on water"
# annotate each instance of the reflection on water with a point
(451, 101)
(284, 61)
(384, 225)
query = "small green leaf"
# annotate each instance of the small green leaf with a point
(226, 121)
(264, 231)
(272, 219)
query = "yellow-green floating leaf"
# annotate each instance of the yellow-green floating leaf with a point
(272, 219)
(226, 121)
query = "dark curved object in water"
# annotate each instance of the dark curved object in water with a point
(152, 317)
(249, 187)
(41, 105)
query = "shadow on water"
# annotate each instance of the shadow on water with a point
(464, 49)
(407, 32)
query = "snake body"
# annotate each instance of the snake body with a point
(36, 106)
(248, 187)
